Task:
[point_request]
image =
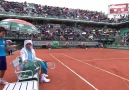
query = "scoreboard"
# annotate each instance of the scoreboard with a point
(118, 9)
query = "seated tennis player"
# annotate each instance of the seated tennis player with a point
(28, 53)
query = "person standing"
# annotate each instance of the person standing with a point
(3, 47)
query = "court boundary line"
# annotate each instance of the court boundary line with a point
(107, 59)
(96, 67)
(74, 72)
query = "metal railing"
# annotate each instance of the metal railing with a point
(48, 17)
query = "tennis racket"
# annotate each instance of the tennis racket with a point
(50, 64)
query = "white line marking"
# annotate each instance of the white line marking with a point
(74, 72)
(97, 67)
(107, 59)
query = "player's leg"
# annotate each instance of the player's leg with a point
(2, 72)
(44, 67)
(3, 67)
(44, 73)
(11, 51)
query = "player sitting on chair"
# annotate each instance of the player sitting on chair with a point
(28, 53)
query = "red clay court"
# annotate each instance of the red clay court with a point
(82, 69)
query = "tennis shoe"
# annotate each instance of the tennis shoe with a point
(3, 82)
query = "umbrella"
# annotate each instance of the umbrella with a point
(19, 25)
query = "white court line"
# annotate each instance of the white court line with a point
(107, 59)
(96, 67)
(74, 72)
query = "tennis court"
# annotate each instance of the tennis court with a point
(82, 69)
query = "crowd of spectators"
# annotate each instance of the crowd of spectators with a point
(15, 35)
(57, 12)
(63, 32)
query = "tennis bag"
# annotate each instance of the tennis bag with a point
(30, 65)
